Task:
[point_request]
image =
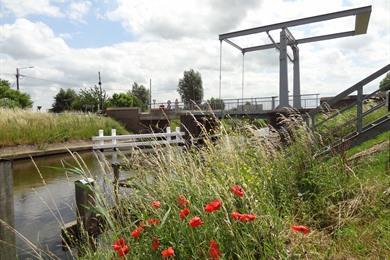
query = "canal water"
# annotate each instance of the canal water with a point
(45, 200)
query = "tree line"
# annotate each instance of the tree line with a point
(94, 99)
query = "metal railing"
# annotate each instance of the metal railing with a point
(238, 105)
(358, 104)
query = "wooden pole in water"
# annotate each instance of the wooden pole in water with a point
(7, 236)
(115, 167)
(85, 199)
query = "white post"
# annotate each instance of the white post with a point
(101, 134)
(113, 135)
(178, 135)
(168, 132)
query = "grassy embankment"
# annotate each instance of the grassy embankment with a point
(345, 203)
(19, 127)
(345, 123)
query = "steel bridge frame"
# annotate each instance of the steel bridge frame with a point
(362, 17)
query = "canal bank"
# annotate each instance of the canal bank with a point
(21, 152)
(43, 199)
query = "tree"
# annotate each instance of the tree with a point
(12, 98)
(190, 87)
(123, 100)
(140, 92)
(90, 99)
(385, 82)
(216, 103)
(64, 100)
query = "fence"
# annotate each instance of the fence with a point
(239, 105)
(137, 140)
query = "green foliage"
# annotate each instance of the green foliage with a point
(24, 127)
(385, 82)
(91, 99)
(190, 88)
(340, 201)
(216, 103)
(64, 100)
(142, 94)
(12, 98)
(124, 100)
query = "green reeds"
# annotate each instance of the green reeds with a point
(18, 127)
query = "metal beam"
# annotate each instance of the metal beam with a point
(361, 23)
(313, 19)
(233, 44)
(303, 40)
(277, 45)
(296, 80)
(283, 71)
(325, 37)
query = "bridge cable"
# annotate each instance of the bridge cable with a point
(220, 67)
(243, 70)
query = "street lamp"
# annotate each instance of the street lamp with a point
(18, 75)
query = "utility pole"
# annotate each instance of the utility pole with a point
(100, 92)
(18, 75)
(17, 79)
(150, 94)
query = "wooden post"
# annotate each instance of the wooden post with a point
(114, 141)
(7, 236)
(115, 167)
(85, 198)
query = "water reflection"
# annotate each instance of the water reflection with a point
(43, 202)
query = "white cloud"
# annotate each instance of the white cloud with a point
(176, 18)
(32, 41)
(172, 39)
(77, 10)
(23, 8)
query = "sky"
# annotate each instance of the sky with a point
(69, 41)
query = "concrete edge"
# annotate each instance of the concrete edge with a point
(56, 151)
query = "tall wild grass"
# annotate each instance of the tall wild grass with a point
(283, 186)
(26, 127)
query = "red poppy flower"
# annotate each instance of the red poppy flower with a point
(153, 221)
(183, 213)
(247, 217)
(235, 215)
(137, 232)
(214, 252)
(196, 222)
(120, 247)
(155, 243)
(156, 204)
(168, 252)
(303, 229)
(182, 201)
(243, 217)
(213, 205)
(238, 190)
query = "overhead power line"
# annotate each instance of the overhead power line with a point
(53, 81)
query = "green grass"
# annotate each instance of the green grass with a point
(19, 127)
(345, 203)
